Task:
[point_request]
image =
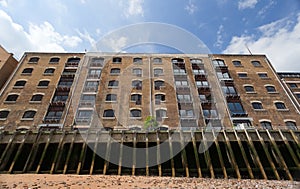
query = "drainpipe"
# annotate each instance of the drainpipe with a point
(150, 86)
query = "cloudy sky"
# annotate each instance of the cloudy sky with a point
(270, 27)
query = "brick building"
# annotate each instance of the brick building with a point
(7, 65)
(120, 91)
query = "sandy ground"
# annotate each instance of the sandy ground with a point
(34, 181)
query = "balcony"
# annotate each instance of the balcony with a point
(82, 120)
(93, 76)
(86, 103)
(51, 119)
(90, 89)
(71, 65)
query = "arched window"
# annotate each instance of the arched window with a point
(257, 105)
(137, 60)
(109, 113)
(280, 105)
(113, 83)
(73, 60)
(12, 98)
(54, 60)
(158, 84)
(158, 72)
(37, 97)
(20, 83)
(4, 114)
(29, 114)
(43, 83)
(160, 113)
(117, 60)
(177, 60)
(249, 88)
(97, 62)
(27, 71)
(266, 125)
(137, 84)
(291, 125)
(218, 62)
(137, 72)
(135, 113)
(115, 71)
(237, 63)
(111, 98)
(160, 98)
(157, 60)
(33, 60)
(270, 89)
(256, 63)
(49, 71)
(137, 98)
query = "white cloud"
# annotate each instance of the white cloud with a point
(86, 36)
(191, 7)
(41, 37)
(116, 44)
(279, 40)
(3, 3)
(244, 4)
(266, 8)
(134, 8)
(219, 41)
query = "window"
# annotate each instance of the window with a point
(73, 60)
(257, 105)
(181, 83)
(160, 98)
(33, 60)
(117, 60)
(177, 60)
(54, 60)
(263, 75)
(242, 75)
(161, 113)
(91, 86)
(158, 84)
(270, 89)
(29, 114)
(115, 71)
(249, 88)
(229, 90)
(223, 75)
(186, 113)
(266, 125)
(109, 113)
(138, 60)
(202, 83)
(298, 95)
(27, 71)
(12, 98)
(179, 71)
(135, 113)
(280, 105)
(210, 113)
(293, 85)
(184, 97)
(237, 63)
(113, 83)
(111, 98)
(235, 108)
(158, 71)
(137, 98)
(94, 73)
(256, 63)
(218, 62)
(43, 83)
(137, 71)
(20, 83)
(136, 84)
(85, 114)
(49, 71)
(199, 72)
(291, 125)
(37, 97)
(97, 62)
(157, 60)
(60, 97)
(88, 97)
(4, 114)
(196, 61)
(51, 115)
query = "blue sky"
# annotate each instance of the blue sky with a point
(270, 27)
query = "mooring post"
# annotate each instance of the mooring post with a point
(289, 148)
(107, 154)
(8, 147)
(57, 153)
(183, 155)
(282, 162)
(69, 152)
(256, 157)
(244, 155)
(220, 155)
(18, 151)
(95, 152)
(147, 154)
(121, 155)
(158, 154)
(44, 152)
(196, 154)
(207, 156)
(83, 152)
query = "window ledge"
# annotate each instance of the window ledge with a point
(273, 92)
(110, 101)
(48, 74)
(283, 110)
(265, 78)
(260, 110)
(108, 118)
(26, 74)
(114, 73)
(35, 102)
(135, 117)
(42, 87)
(26, 119)
(32, 62)
(113, 87)
(251, 92)
(3, 119)
(246, 78)
(9, 102)
(18, 87)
